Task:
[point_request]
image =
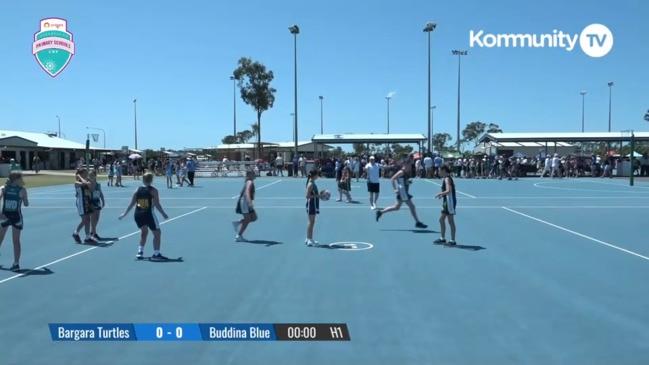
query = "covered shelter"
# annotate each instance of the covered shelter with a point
(376, 138)
(554, 142)
(53, 152)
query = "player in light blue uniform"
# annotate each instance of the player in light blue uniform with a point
(13, 196)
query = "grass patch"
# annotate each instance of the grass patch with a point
(37, 181)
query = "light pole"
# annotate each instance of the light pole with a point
(295, 30)
(430, 27)
(459, 55)
(610, 103)
(583, 110)
(135, 119)
(102, 131)
(293, 122)
(387, 98)
(321, 114)
(59, 120)
(432, 119)
(234, 103)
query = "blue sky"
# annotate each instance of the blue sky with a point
(176, 57)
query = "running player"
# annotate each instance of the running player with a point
(401, 184)
(84, 206)
(245, 207)
(98, 202)
(448, 206)
(312, 206)
(145, 198)
(13, 196)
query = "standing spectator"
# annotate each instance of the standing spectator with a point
(191, 170)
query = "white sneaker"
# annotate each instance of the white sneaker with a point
(372, 206)
(236, 225)
(240, 239)
(310, 242)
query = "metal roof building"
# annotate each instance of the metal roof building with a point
(368, 138)
(564, 137)
(38, 140)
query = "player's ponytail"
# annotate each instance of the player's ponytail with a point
(313, 173)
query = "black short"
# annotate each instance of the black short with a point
(13, 219)
(373, 187)
(147, 219)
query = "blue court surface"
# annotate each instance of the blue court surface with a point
(545, 272)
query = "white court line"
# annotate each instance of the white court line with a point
(94, 247)
(614, 184)
(284, 198)
(457, 191)
(361, 206)
(538, 185)
(577, 234)
(259, 188)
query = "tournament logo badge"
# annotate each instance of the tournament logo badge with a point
(53, 46)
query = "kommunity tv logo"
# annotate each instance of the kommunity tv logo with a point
(596, 40)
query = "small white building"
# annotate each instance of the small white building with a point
(55, 153)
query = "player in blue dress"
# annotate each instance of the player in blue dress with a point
(98, 202)
(312, 206)
(449, 203)
(145, 198)
(401, 184)
(13, 196)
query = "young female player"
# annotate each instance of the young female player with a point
(245, 207)
(13, 196)
(98, 202)
(448, 206)
(312, 205)
(111, 173)
(345, 184)
(84, 206)
(401, 184)
(169, 170)
(145, 198)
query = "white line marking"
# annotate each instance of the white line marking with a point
(360, 206)
(457, 191)
(166, 198)
(577, 233)
(614, 184)
(94, 247)
(538, 185)
(259, 188)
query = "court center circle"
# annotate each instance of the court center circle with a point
(351, 246)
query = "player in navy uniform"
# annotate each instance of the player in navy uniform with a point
(312, 206)
(145, 198)
(449, 203)
(98, 202)
(401, 184)
(245, 206)
(13, 196)
(84, 206)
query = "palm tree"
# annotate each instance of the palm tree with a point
(254, 130)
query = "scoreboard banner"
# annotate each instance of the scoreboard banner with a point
(199, 332)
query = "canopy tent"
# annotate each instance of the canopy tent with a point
(635, 154)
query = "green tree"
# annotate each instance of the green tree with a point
(646, 116)
(494, 128)
(473, 131)
(229, 140)
(359, 148)
(440, 140)
(244, 136)
(253, 80)
(399, 150)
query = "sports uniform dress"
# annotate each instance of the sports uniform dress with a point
(242, 206)
(313, 204)
(84, 200)
(449, 201)
(144, 215)
(11, 207)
